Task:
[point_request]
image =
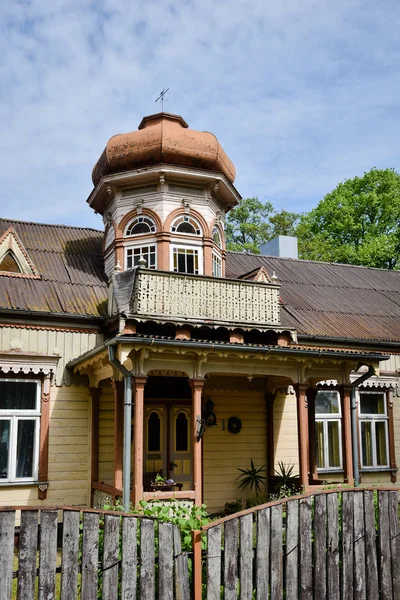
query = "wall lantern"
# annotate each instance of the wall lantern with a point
(209, 414)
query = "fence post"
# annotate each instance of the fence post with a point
(197, 574)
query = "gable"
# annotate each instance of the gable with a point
(14, 259)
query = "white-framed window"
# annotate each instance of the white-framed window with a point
(373, 421)
(328, 430)
(133, 254)
(186, 259)
(19, 429)
(217, 238)
(186, 224)
(140, 226)
(216, 264)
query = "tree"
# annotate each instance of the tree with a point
(253, 223)
(357, 223)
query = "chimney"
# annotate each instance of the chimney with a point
(284, 246)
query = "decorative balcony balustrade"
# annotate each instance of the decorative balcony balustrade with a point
(196, 298)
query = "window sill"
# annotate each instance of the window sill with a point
(331, 472)
(378, 470)
(22, 483)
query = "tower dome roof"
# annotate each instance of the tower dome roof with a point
(163, 138)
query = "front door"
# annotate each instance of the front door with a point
(167, 444)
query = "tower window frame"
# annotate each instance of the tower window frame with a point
(185, 222)
(134, 252)
(140, 222)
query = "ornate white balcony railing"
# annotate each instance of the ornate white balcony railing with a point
(196, 298)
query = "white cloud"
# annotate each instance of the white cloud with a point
(302, 94)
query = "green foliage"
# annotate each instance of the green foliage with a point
(252, 223)
(357, 223)
(231, 508)
(286, 483)
(252, 478)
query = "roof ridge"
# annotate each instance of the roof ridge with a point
(318, 262)
(51, 224)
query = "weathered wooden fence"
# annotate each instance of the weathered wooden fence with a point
(327, 546)
(101, 554)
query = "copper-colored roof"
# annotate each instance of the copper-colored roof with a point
(331, 300)
(163, 138)
(70, 264)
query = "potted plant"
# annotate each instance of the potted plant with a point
(162, 484)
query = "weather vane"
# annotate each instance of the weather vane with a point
(161, 97)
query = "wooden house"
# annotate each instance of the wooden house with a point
(148, 348)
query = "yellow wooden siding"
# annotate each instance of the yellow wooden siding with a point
(106, 436)
(223, 451)
(69, 453)
(285, 430)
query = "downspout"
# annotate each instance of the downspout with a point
(354, 430)
(126, 460)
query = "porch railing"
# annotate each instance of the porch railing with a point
(193, 297)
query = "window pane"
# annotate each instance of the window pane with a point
(366, 444)
(181, 263)
(334, 444)
(18, 395)
(190, 263)
(186, 228)
(327, 402)
(25, 448)
(4, 448)
(381, 450)
(319, 438)
(181, 433)
(372, 404)
(154, 433)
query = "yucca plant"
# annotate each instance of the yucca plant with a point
(252, 478)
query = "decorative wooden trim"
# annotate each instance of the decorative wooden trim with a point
(118, 432)
(139, 383)
(269, 401)
(179, 495)
(345, 394)
(50, 328)
(44, 439)
(94, 467)
(303, 433)
(392, 449)
(27, 363)
(197, 386)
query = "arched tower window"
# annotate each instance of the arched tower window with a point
(217, 238)
(140, 225)
(186, 224)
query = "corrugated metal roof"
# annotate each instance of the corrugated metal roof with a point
(332, 300)
(70, 263)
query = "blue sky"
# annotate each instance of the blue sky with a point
(302, 94)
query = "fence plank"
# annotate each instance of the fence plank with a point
(90, 556)
(276, 552)
(262, 553)
(333, 547)
(7, 524)
(147, 560)
(230, 559)
(394, 530)
(292, 550)
(386, 562)
(129, 558)
(320, 526)
(48, 554)
(347, 544)
(371, 561)
(213, 573)
(70, 555)
(246, 557)
(110, 557)
(359, 547)
(28, 544)
(182, 589)
(165, 562)
(306, 583)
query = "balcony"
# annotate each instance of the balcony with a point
(207, 300)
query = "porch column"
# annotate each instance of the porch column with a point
(197, 389)
(139, 383)
(311, 393)
(302, 427)
(118, 432)
(345, 391)
(94, 463)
